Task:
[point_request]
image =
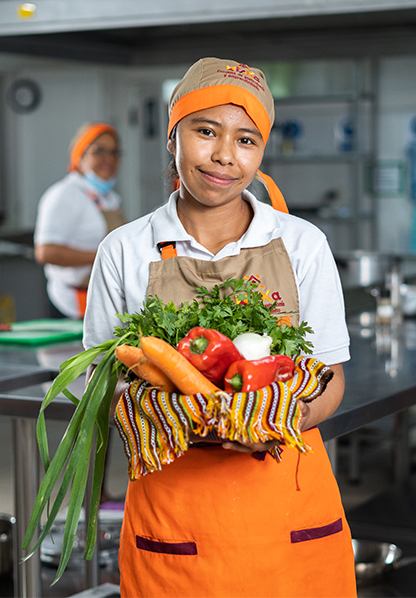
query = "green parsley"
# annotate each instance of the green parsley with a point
(232, 307)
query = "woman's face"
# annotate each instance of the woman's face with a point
(102, 157)
(217, 152)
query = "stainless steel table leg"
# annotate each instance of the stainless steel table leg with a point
(401, 447)
(331, 449)
(354, 458)
(27, 578)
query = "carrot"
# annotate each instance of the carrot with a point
(135, 360)
(183, 374)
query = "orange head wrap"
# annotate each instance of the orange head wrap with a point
(212, 82)
(84, 138)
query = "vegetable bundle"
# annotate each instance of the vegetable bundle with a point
(231, 308)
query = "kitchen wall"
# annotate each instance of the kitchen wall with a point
(72, 94)
(397, 107)
(37, 142)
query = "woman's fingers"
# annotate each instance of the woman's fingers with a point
(305, 411)
(247, 447)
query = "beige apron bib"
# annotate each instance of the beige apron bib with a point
(176, 279)
(220, 524)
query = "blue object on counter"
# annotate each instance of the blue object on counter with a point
(412, 243)
(344, 134)
(291, 129)
(411, 158)
(411, 155)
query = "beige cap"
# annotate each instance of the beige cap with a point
(214, 81)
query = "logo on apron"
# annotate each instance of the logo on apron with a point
(269, 297)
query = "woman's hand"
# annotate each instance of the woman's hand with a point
(248, 448)
(306, 415)
(326, 404)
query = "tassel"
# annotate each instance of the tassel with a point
(155, 426)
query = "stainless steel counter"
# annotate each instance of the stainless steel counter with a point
(380, 378)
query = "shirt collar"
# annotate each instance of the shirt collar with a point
(264, 226)
(166, 225)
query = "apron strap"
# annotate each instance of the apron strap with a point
(167, 249)
(81, 297)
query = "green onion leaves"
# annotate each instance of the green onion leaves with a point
(232, 307)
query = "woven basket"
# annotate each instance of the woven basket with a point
(156, 427)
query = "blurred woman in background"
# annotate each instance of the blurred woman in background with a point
(74, 216)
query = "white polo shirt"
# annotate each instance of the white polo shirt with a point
(68, 214)
(120, 274)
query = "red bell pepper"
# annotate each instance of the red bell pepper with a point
(247, 375)
(285, 368)
(210, 351)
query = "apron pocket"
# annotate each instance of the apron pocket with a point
(303, 535)
(180, 548)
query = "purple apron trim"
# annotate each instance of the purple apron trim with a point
(313, 533)
(182, 548)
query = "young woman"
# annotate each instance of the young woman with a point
(217, 522)
(74, 216)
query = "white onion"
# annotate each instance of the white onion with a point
(252, 345)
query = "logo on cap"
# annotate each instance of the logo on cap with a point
(242, 69)
(242, 72)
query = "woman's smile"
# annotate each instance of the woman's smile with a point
(217, 178)
(217, 152)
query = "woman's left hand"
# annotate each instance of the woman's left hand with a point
(249, 448)
(306, 415)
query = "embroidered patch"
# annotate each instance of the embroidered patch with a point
(268, 295)
(243, 73)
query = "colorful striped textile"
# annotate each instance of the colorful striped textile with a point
(156, 426)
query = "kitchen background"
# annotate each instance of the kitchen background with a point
(340, 146)
(340, 149)
(343, 149)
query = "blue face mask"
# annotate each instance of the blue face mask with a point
(102, 186)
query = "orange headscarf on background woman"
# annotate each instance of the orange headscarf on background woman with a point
(213, 82)
(84, 138)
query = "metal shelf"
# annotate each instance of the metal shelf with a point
(348, 157)
(360, 101)
(346, 98)
(337, 219)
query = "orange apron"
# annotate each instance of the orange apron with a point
(220, 524)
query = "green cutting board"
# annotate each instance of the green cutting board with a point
(41, 332)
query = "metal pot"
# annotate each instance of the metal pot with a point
(408, 299)
(6, 543)
(363, 268)
(373, 559)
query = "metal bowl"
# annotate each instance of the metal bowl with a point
(408, 299)
(363, 268)
(372, 558)
(6, 543)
